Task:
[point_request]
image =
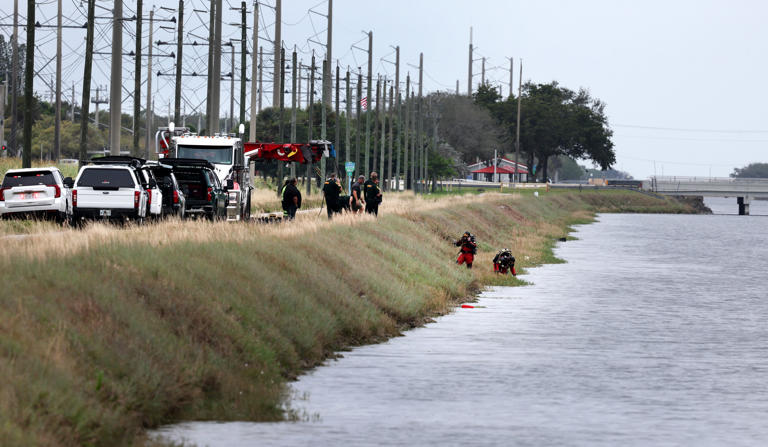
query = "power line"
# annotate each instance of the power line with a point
(680, 129)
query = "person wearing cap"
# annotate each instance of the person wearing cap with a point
(332, 191)
(356, 200)
(291, 198)
(372, 194)
(468, 249)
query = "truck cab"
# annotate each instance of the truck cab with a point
(224, 152)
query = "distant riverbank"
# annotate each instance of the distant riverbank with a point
(108, 331)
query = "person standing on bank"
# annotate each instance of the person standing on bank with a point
(291, 198)
(372, 194)
(468, 249)
(356, 195)
(331, 191)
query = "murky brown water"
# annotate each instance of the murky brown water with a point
(653, 333)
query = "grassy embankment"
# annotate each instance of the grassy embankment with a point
(107, 331)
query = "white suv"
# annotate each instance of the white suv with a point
(108, 192)
(38, 191)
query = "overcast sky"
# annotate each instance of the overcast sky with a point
(683, 80)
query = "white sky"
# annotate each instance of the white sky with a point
(696, 66)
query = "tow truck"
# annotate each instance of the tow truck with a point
(231, 156)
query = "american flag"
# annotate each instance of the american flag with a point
(364, 103)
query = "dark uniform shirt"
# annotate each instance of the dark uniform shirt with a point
(331, 189)
(289, 192)
(372, 192)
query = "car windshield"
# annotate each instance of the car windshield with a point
(215, 154)
(28, 179)
(107, 178)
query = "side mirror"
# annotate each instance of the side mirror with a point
(68, 182)
(230, 184)
(152, 183)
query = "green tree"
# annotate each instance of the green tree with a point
(752, 170)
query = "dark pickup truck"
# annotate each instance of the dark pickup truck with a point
(204, 194)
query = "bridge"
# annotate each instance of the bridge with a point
(744, 189)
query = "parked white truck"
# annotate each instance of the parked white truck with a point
(226, 154)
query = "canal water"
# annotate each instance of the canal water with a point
(653, 333)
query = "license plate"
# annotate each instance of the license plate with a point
(105, 213)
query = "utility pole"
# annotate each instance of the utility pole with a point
(406, 132)
(347, 146)
(3, 92)
(482, 72)
(399, 115)
(137, 81)
(383, 134)
(215, 118)
(358, 168)
(457, 87)
(420, 112)
(469, 74)
(29, 78)
(323, 120)
(14, 80)
(294, 83)
(72, 106)
(150, 112)
(391, 136)
(511, 73)
(367, 113)
(116, 79)
(336, 127)
(311, 93)
(517, 130)
(261, 75)
(179, 60)
(298, 81)
(57, 118)
(85, 104)
(209, 88)
(231, 123)
(277, 89)
(97, 102)
(254, 72)
(328, 56)
(243, 61)
(280, 164)
(376, 124)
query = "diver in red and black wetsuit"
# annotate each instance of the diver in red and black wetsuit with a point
(468, 249)
(504, 262)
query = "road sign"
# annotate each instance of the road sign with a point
(349, 167)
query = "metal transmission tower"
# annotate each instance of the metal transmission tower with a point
(116, 79)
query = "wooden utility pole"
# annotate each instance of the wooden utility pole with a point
(150, 112)
(231, 121)
(12, 139)
(85, 104)
(243, 61)
(57, 117)
(376, 124)
(367, 113)
(399, 124)
(116, 80)
(277, 88)
(517, 130)
(29, 78)
(323, 114)
(254, 73)
(72, 106)
(215, 107)
(137, 81)
(482, 72)
(280, 164)
(511, 73)
(328, 57)
(179, 60)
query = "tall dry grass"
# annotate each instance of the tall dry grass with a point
(109, 330)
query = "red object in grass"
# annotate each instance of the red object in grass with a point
(467, 306)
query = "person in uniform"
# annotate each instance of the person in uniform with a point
(356, 200)
(468, 249)
(331, 191)
(291, 198)
(372, 194)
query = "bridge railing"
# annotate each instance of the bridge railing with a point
(727, 180)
